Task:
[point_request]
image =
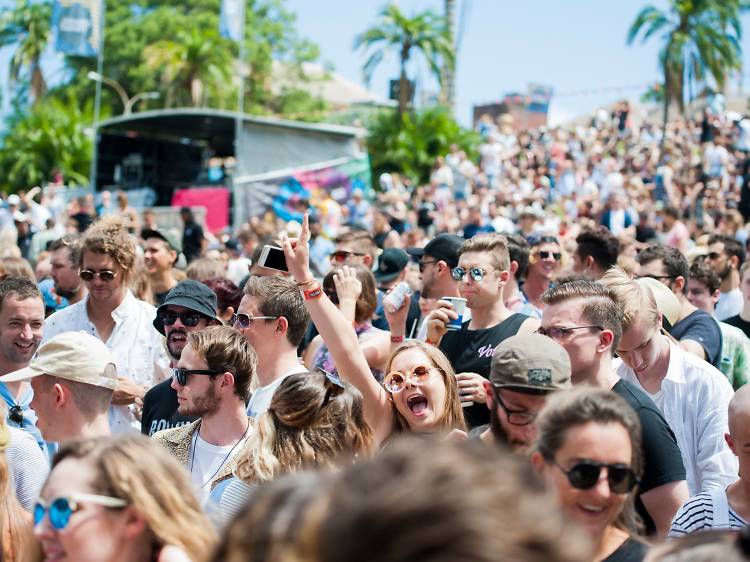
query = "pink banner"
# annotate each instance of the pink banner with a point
(214, 199)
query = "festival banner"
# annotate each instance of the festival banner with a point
(230, 19)
(284, 193)
(214, 199)
(77, 25)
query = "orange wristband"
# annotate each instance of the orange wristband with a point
(314, 293)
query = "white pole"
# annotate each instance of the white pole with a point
(98, 97)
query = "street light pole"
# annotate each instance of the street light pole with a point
(138, 97)
(127, 103)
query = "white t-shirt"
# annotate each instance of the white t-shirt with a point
(261, 398)
(729, 304)
(207, 461)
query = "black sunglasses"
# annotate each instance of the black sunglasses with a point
(547, 255)
(713, 255)
(15, 414)
(245, 320)
(423, 265)
(188, 319)
(585, 474)
(105, 275)
(181, 375)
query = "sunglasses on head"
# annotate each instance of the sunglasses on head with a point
(105, 275)
(60, 509)
(188, 319)
(476, 273)
(245, 320)
(181, 375)
(545, 255)
(396, 381)
(343, 255)
(585, 474)
(15, 414)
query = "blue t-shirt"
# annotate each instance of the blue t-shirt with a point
(29, 417)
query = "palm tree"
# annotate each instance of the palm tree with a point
(28, 28)
(426, 32)
(195, 61)
(701, 41)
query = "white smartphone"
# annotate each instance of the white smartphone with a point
(272, 257)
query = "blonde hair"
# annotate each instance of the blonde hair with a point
(494, 244)
(311, 422)
(634, 299)
(144, 474)
(109, 236)
(205, 268)
(453, 415)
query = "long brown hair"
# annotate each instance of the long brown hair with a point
(311, 422)
(453, 415)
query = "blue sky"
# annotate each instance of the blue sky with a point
(575, 46)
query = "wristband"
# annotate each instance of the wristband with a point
(397, 339)
(315, 293)
(305, 282)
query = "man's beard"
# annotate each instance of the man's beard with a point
(501, 438)
(203, 406)
(67, 293)
(176, 353)
(726, 272)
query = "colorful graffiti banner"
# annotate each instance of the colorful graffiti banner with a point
(285, 194)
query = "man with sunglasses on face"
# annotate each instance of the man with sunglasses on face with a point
(482, 271)
(273, 318)
(354, 246)
(697, 332)
(111, 312)
(189, 307)
(583, 318)
(726, 255)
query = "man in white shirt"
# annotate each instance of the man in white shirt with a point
(212, 381)
(691, 394)
(273, 318)
(726, 255)
(113, 314)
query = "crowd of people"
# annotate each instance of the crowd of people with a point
(539, 355)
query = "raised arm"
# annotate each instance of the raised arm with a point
(340, 337)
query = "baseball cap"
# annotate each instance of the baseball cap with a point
(442, 247)
(73, 356)
(165, 235)
(390, 264)
(190, 294)
(14, 199)
(530, 363)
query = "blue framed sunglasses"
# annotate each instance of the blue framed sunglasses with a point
(476, 273)
(61, 509)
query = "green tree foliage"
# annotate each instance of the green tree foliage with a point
(425, 33)
(409, 143)
(701, 42)
(49, 138)
(27, 27)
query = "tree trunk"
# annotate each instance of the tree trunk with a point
(449, 72)
(403, 82)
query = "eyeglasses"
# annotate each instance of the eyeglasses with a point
(188, 319)
(105, 275)
(181, 375)
(396, 381)
(15, 414)
(657, 277)
(515, 417)
(342, 255)
(60, 509)
(423, 265)
(584, 476)
(557, 332)
(713, 255)
(245, 320)
(476, 273)
(545, 255)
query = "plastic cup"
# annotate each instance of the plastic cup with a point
(459, 306)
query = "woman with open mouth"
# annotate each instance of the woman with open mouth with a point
(419, 392)
(589, 453)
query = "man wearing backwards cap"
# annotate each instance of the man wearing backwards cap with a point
(392, 269)
(160, 252)
(189, 307)
(525, 369)
(73, 376)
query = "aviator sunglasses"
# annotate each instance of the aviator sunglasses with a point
(584, 476)
(476, 273)
(60, 509)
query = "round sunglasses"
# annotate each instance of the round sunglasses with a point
(396, 381)
(61, 509)
(105, 275)
(585, 474)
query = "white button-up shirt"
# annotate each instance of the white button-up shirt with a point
(694, 401)
(136, 346)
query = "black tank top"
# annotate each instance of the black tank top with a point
(470, 351)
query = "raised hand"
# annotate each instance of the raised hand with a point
(348, 287)
(297, 253)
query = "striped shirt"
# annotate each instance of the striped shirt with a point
(697, 514)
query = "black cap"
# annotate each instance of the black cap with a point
(442, 247)
(190, 294)
(390, 264)
(233, 245)
(165, 235)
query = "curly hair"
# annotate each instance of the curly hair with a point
(110, 236)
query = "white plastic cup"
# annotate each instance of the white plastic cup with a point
(459, 306)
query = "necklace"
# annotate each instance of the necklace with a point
(224, 460)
